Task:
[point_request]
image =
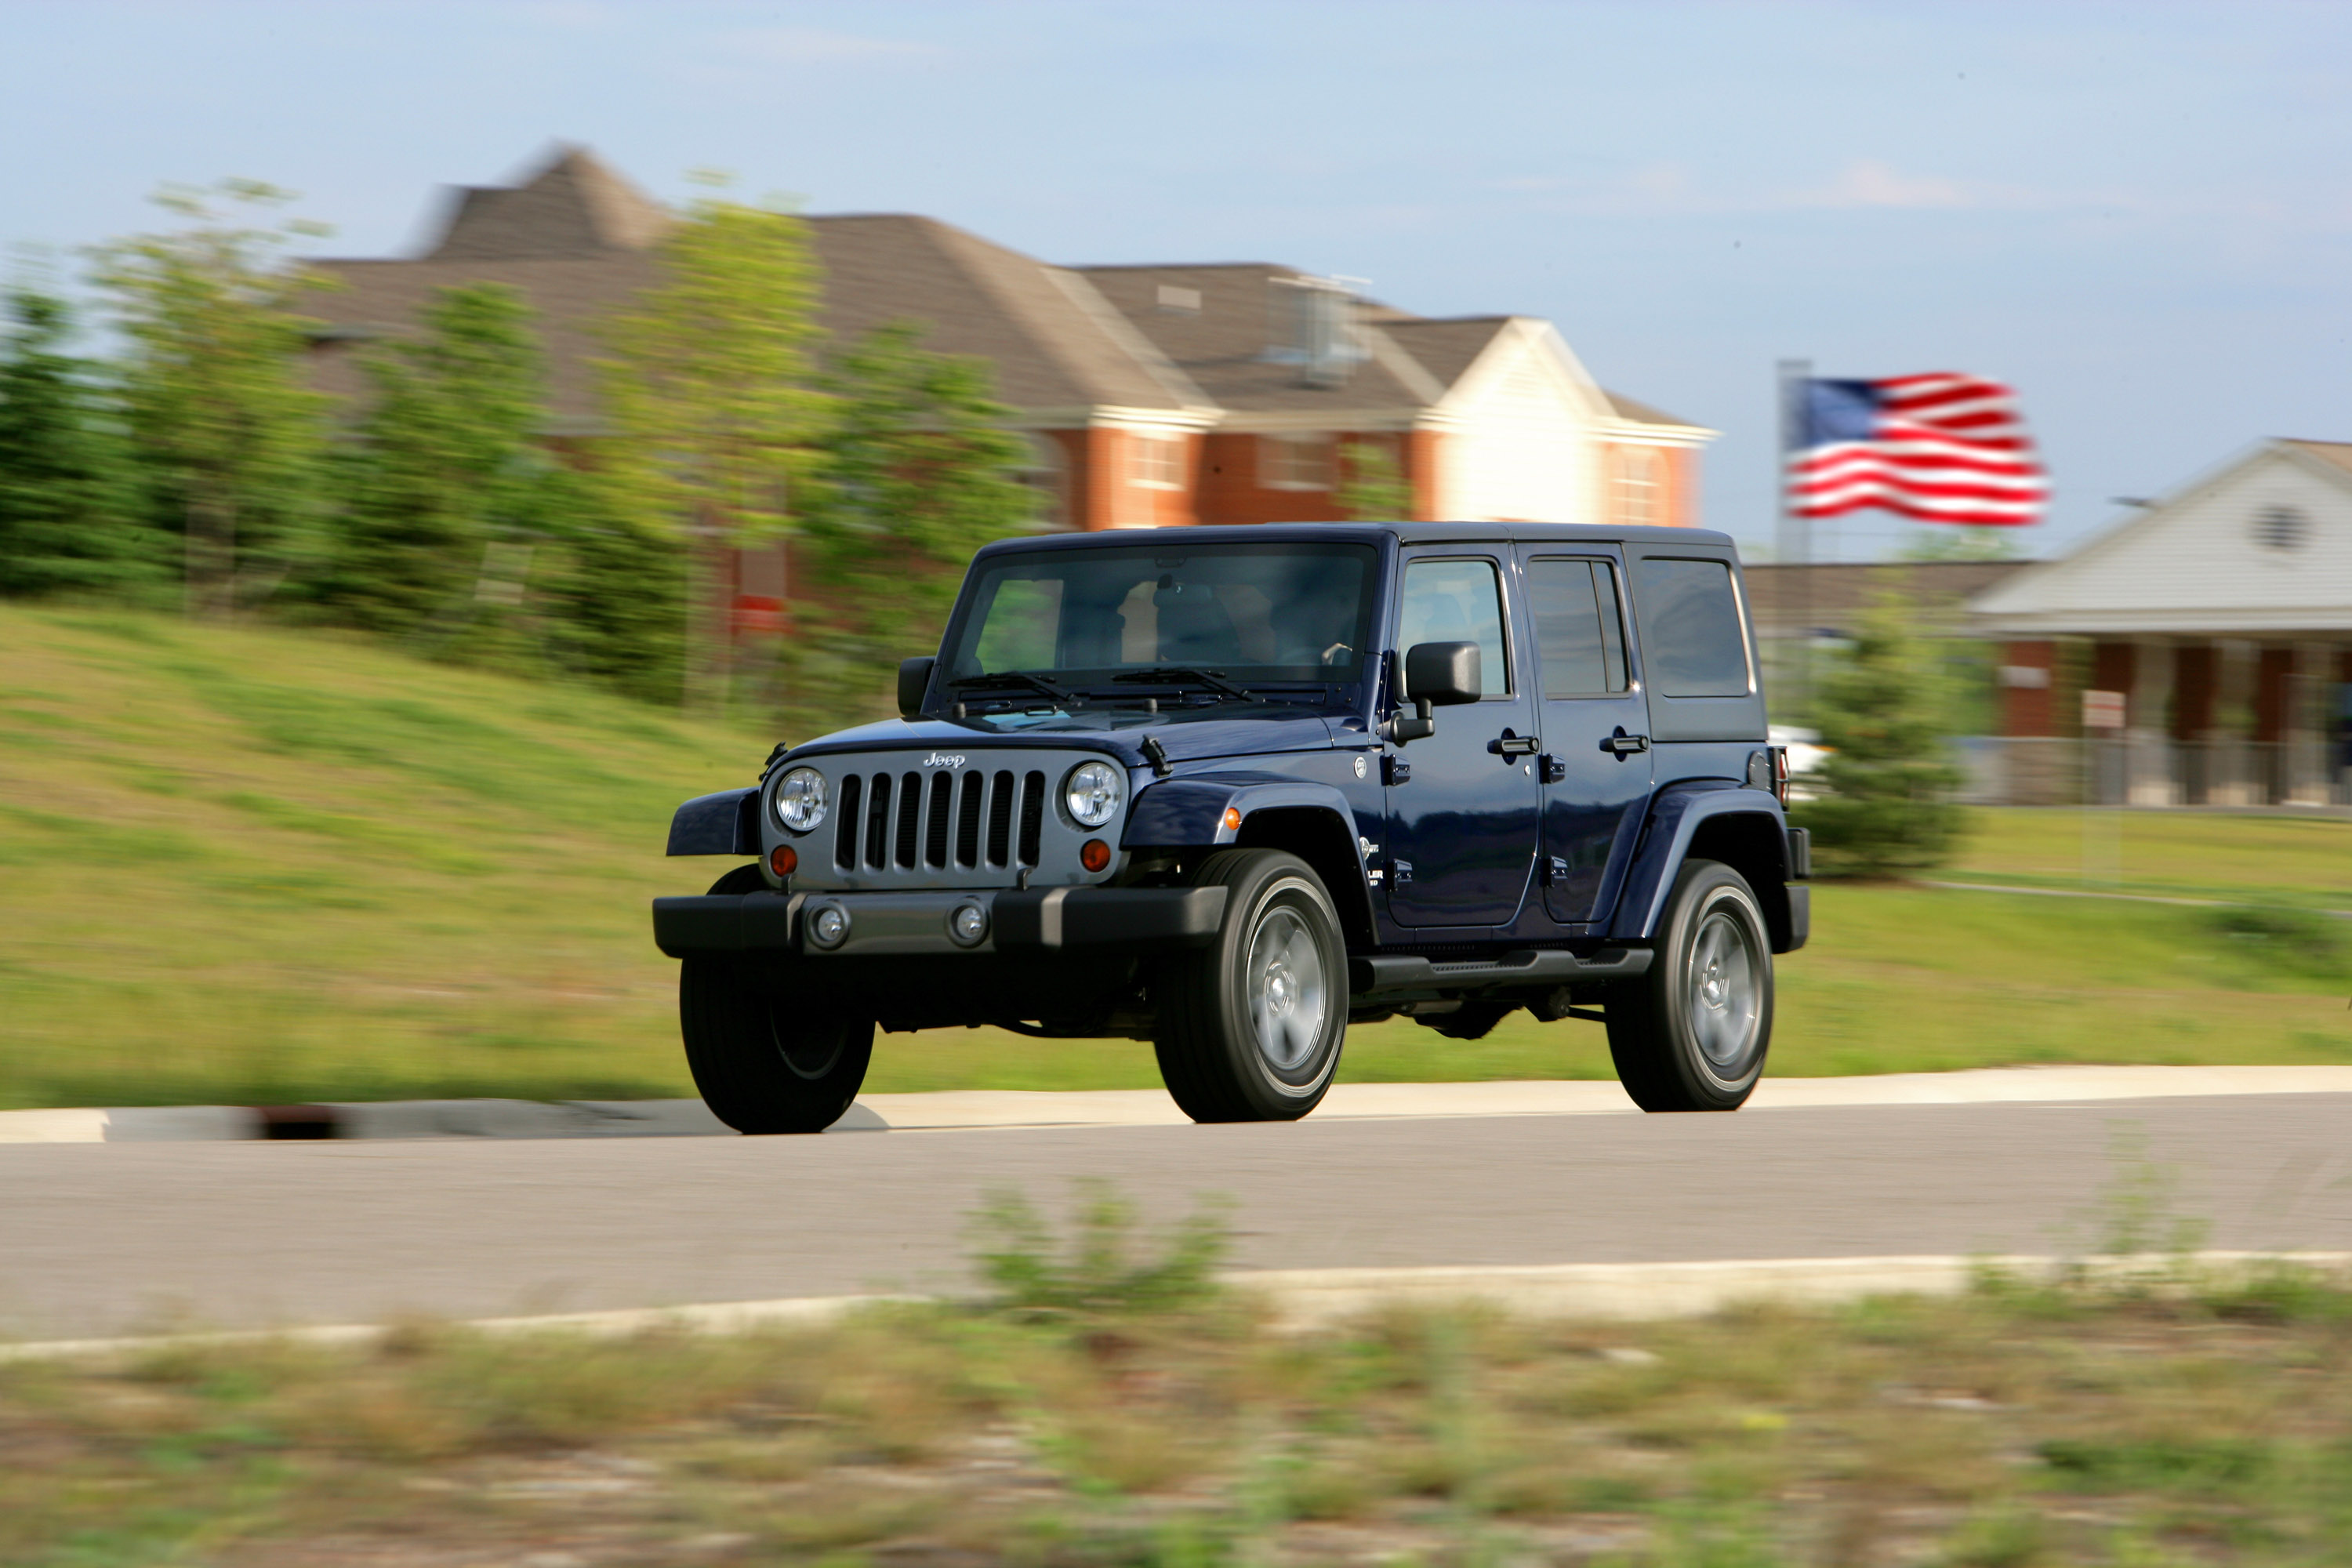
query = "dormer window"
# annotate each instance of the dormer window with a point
(1180, 301)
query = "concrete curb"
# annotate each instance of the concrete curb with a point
(1304, 1299)
(973, 1109)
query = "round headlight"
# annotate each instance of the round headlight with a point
(799, 799)
(1091, 792)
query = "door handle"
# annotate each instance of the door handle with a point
(1510, 745)
(1625, 745)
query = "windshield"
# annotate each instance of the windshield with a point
(1245, 613)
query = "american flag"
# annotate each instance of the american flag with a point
(1941, 448)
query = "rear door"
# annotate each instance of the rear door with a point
(1463, 827)
(1595, 768)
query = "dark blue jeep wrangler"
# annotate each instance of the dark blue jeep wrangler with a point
(1230, 789)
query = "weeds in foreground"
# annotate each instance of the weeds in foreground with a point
(1109, 1405)
(1104, 1269)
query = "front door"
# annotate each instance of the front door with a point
(1596, 766)
(1462, 828)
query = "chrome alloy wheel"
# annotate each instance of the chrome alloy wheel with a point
(1722, 990)
(1287, 997)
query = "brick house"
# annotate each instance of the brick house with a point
(1154, 394)
(1150, 394)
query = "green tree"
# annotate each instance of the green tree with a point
(919, 472)
(69, 515)
(1934, 542)
(715, 421)
(445, 485)
(213, 388)
(1884, 711)
(614, 592)
(1373, 489)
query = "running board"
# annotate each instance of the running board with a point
(1375, 976)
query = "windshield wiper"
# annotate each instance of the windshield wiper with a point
(1178, 674)
(1013, 677)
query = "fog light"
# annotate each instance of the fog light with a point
(1094, 855)
(828, 925)
(783, 860)
(969, 924)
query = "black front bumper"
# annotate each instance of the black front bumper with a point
(1020, 920)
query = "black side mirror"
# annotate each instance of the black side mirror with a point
(914, 679)
(1437, 674)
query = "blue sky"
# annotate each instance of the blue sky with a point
(2139, 215)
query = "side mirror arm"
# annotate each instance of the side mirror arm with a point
(1420, 726)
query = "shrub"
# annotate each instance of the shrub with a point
(1884, 713)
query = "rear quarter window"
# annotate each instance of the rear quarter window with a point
(1692, 641)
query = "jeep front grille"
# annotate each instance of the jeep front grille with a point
(909, 821)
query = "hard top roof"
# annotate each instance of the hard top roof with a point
(1372, 533)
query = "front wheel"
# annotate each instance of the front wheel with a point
(1691, 1035)
(1250, 1026)
(765, 1061)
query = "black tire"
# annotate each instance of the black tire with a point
(1692, 1034)
(1230, 1051)
(763, 1063)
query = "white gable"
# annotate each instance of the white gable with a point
(1520, 422)
(2262, 545)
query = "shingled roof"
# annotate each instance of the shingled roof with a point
(1054, 343)
(578, 240)
(574, 205)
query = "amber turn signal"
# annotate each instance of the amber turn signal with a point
(1094, 855)
(784, 860)
(1233, 818)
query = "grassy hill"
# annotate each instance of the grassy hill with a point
(252, 866)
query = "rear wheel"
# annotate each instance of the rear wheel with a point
(1250, 1026)
(1691, 1035)
(764, 1061)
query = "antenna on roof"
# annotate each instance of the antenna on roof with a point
(1314, 327)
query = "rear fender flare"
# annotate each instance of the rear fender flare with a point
(1711, 820)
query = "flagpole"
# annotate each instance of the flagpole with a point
(1792, 541)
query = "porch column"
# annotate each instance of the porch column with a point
(2232, 719)
(2145, 742)
(2308, 689)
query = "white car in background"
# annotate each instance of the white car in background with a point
(1805, 754)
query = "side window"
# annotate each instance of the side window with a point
(1458, 601)
(1691, 640)
(1578, 637)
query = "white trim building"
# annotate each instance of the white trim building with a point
(2222, 614)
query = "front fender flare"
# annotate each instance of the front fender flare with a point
(727, 823)
(1191, 810)
(1314, 821)
(1677, 814)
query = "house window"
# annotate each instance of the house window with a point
(1183, 301)
(1294, 462)
(1046, 475)
(1156, 462)
(1637, 488)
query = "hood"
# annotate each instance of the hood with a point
(1196, 734)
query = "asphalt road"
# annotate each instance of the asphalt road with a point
(110, 1238)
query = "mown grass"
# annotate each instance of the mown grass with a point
(256, 865)
(1111, 1407)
